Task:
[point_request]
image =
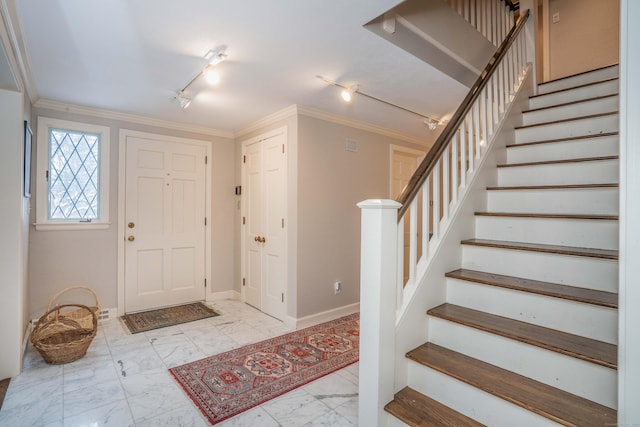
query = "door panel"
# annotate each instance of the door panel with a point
(165, 203)
(264, 180)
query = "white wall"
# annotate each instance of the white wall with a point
(12, 246)
(331, 181)
(629, 347)
(585, 38)
(59, 259)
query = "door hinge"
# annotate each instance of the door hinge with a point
(46, 174)
(282, 148)
(244, 220)
(283, 297)
(205, 282)
(282, 222)
(243, 281)
(244, 159)
(206, 159)
(205, 220)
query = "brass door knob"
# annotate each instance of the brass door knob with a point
(131, 225)
(131, 238)
(256, 239)
(263, 240)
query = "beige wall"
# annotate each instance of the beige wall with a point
(59, 259)
(585, 38)
(331, 181)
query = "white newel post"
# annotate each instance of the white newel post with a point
(378, 273)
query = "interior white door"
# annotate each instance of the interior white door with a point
(165, 217)
(264, 229)
(403, 164)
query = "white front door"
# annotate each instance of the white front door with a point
(264, 178)
(165, 223)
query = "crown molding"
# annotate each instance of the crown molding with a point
(128, 117)
(317, 114)
(294, 110)
(276, 117)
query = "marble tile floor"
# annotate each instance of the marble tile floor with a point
(124, 380)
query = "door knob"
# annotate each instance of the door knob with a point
(263, 240)
(131, 225)
(256, 239)
(131, 238)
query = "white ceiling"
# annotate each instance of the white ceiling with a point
(131, 55)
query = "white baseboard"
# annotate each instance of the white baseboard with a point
(323, 316)
(231, 294)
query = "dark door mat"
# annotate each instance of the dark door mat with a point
(4, 385)
(163, 317)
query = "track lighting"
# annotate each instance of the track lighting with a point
(348, 92)
(213, 57)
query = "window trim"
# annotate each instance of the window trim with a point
(43, 223)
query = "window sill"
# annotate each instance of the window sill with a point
(71, 226)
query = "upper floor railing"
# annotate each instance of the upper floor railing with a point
(492, 18)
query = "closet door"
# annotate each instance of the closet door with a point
(264, 203)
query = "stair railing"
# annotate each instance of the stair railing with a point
(492, 18)
(390, 272)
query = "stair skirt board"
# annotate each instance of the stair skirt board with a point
(555, 200)
(588, 233)
(588, 320)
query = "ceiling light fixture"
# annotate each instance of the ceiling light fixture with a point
(348, 92)
(213, 57)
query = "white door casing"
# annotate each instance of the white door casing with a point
(264, 225)
(163, 211)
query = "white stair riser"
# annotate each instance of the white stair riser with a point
(569, 111)
(580, 79)
(471, 401)
(568, 129)
(590, 172)
(585, 379)
(592, 273)
(601, 234)
(608, 87)
(587, 320)
(568, 201)
(585, 147)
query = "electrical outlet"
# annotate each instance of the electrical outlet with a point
(337, 288)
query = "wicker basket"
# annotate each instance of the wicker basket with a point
(79, 315)
(60, 339)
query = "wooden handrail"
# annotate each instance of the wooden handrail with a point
(430, 160)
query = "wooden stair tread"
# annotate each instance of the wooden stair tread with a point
(556, 290)
(554, 187)
(581, 73)
(549, 215)
(553, 162)
(575, 87)
(570, 103)
(554, 249)
(598, 352)
(552, 403)
(572, 119)
(566, 139)
(417, 410)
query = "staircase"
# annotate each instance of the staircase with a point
(528, 333)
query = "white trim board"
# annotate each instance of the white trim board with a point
(323, 316)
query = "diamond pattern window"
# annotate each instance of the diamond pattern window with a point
(72, 175)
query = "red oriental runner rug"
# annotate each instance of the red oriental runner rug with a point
(227, 384)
